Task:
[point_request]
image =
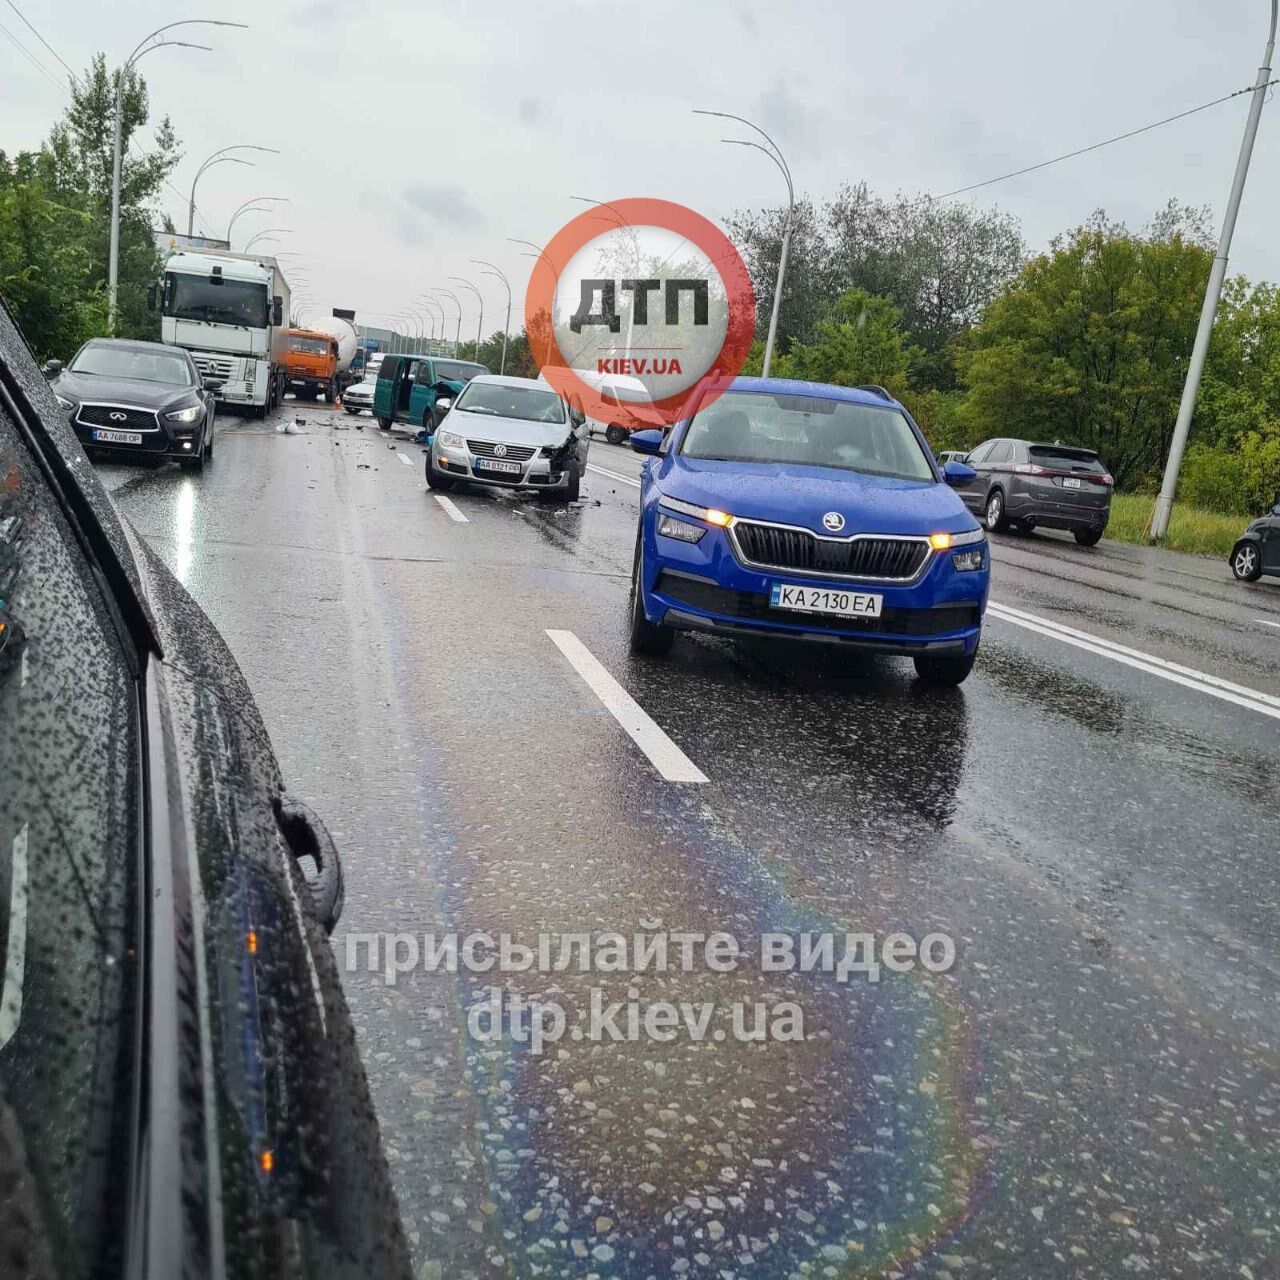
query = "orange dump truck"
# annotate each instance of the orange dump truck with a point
(312, 365)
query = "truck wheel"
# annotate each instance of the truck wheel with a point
(614, 434)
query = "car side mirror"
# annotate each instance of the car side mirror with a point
(52, 368)
(315, 853)
(648, 441)
(444, 403)
(576, 416)
(213, 384)
(957, 473)
(151, 297)
(277, 310)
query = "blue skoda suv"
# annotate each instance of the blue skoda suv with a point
(807, 512)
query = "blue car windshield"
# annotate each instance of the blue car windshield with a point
(809, 431)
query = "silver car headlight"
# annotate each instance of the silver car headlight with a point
(185, 415)
(450, 440)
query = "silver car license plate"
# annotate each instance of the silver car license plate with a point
(495, 464)
(103, 436)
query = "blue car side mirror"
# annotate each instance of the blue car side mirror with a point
(958, 473)
(648, 441)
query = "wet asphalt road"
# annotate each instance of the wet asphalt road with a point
(1092, 1090)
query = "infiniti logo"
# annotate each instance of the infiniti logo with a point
(119, 417)
(499, 450)
(833, 521)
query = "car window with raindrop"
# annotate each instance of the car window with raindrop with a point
(68, 804)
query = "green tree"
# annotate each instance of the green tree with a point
(860, 341)
(1089, 345)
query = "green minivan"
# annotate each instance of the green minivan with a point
(418, 390)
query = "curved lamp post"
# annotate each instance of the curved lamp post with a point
(495, 271)
(154, 41)
(220, 157)
(466, 284)
(457, 329)
(774, 154)
(251, 206)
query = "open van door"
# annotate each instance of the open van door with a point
(384, 393)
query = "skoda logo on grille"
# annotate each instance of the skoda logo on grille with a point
(119, 417)
(833, 521)
(499, 450)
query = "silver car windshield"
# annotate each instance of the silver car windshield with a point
(527, 404)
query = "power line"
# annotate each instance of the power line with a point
(31, 58)
(39, 37)
(1120, 137)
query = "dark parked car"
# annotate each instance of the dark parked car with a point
(1052, 486)
(1258, 549)
(137, 398)
(180, 1091)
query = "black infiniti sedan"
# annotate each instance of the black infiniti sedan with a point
(137, 398)
(180, 1088)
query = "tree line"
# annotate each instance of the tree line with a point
(1084, 343)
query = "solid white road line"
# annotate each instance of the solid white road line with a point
(667, 758)
(15, 959)
(404, 457)
(614, 475)
(1266, 623)
(1251, 699)
(450, 508)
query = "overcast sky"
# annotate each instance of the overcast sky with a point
(417, 136)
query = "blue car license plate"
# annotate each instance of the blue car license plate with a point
(844, 604)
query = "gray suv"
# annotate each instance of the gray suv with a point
(1056, 486)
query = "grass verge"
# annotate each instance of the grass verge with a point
(1191, 529)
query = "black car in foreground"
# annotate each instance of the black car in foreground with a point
(137, 398)
(1257, 551)
(180, 1089)
(1051, 486)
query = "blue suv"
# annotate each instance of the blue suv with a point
(808, 512)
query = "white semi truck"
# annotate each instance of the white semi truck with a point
(231, 311)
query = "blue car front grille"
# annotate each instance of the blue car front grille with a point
(798, 550)
(750, 606)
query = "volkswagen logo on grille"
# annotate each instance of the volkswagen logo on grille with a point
(499, 450)
(833, 521)
(119, 417)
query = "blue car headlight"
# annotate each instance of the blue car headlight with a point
(974, 553)
(681, 530)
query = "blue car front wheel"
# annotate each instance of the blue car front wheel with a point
(647, 637)
(944, 670)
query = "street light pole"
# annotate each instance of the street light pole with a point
(551, 320)
(265, 233)
(774, 154)
(251, 206)
(219, 157)
(1213, 291)
(436, 310)
(495, 271)
(144, 47)
(457, 329)
(466, 284)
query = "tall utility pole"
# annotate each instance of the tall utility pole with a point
(495, 271)
(457, 328)
(1208, 313)
(466, 284)
(774, 154)
(152, 42)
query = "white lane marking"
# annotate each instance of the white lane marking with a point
(667, 758)
(404, 457)
(26, 669)
(613, 475)
(450, 508)
(1266, 623)
(1264, 703)
(15, 951)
